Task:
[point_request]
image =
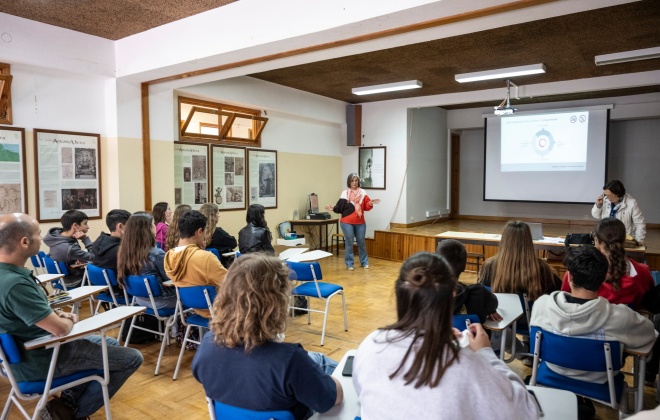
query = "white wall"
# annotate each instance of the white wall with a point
(427, 181)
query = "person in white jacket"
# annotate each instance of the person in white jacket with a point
(583, 313)
(614, 202)
(415, 368)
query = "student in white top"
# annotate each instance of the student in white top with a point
(415, 367)
(614, 202)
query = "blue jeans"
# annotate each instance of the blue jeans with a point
(358, 232)
(87, 354)
(327, 364)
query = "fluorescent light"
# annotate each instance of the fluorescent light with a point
(387, 87)
(623, 57)
(500, 73)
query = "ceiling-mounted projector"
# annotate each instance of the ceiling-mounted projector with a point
(504, 110)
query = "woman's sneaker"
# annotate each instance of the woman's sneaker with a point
(349, 268)
(366, 266)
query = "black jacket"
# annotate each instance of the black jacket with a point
(105, 249)
(222, 241)
(476, 299)
(254, 239)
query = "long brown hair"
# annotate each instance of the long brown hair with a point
(135, 245)
(251, 306)
(516, 267)
(172, 240)
(209, 210)
(611, 233)
(424, 303)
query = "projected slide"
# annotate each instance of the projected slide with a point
(551, 142)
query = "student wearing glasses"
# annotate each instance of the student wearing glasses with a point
(614, 202)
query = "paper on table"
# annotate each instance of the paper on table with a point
(551, 240)
(288, 253)
(310, 256)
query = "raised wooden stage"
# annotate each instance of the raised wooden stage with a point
(399, 243)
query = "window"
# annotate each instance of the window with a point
(5, 94)
(212, 122)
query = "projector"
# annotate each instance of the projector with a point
(504, 111)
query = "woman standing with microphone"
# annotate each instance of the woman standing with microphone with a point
(614, 202)
(352, 204)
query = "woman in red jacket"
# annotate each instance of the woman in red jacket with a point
(627, 281)
(352, 204)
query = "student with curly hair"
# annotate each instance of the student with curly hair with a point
(173, 235)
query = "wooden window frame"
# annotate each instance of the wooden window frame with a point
(224, 136)
(5, 94)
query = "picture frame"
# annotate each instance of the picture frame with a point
(191, 174)
(13, 171)
(229, 177)
(372, 167)
(68, 173)
(262, 177)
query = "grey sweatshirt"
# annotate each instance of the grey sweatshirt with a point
(65, 248)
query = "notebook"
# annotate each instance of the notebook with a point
(537, 231)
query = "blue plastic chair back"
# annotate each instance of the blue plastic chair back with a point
(36, 263)
(214, 252)
(228, 412)
(459, 321)
(305, 271)
(193, 297)
(135, 286)
(10, 349)
(52, 268)
(159, 245)
(656, 277)
(95, 275)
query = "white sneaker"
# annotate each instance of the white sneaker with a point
(349, 268)
(366, 266)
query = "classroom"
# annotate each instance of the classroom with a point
(120, 72)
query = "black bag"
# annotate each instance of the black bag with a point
(578, 239)
(299, 302)
(140, 336)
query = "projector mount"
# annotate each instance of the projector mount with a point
(505, 107)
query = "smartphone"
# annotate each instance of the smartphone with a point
(348, 367)
(537, 401)
(467, 324)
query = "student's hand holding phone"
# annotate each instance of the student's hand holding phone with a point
(478, 337)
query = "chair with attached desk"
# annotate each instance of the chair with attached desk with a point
(37, 263)
(193, 297)
(218, 410)
(42, 390)
(105, 277)
(583, 354)
(148, 287)
(53, 267)
(309, 274)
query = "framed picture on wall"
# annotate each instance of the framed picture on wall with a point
(13, 187)
(262, 177)
(68, 173)
(229, 177)
(372, 171)
(191, 174)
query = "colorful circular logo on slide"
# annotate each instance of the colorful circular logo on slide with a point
(543, 142)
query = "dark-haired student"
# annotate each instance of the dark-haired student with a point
(415, 369)
(65, 247)
(615, 202)
(470, 298)
(106, 246)
(583, 313)
(255, 237)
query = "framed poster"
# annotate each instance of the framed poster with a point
(229, 177)
(191, 174)
(13, 189)
(68, 173)
(262, 177)
(372, 168)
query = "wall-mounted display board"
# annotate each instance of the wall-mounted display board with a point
(68, 173)
(191, 174)
(262, 177)
(229, 177)
(13, 189)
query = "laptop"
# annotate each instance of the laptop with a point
(537, 231)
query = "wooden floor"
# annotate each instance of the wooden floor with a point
(370, 304)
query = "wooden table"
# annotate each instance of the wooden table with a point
(555, 403)
(320, 223)
(510, 308)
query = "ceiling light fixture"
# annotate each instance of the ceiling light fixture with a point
(500, 73)
(626, 56)
(387, 87)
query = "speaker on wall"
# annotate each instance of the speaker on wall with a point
(354, 125)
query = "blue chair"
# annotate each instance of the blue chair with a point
(53, 267)
(218, 410)
(309, 274)
(194, 297)
(214, 252)
(105, 277)
(37, 263)
(42, 390)
(577, 353)
(148, 287)
(460, 321)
